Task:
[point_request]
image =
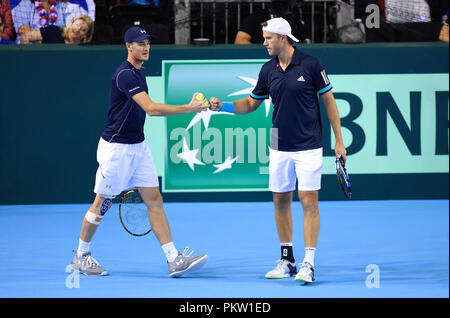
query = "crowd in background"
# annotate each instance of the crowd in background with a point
(93, 21)
(47, 21)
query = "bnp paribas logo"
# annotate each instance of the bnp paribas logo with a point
(212, 144)
(205, 116)
(190, 156)
(247, 91)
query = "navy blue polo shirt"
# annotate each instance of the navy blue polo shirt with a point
(125, 117)
(294, 94)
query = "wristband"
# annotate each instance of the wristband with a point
(227, 107)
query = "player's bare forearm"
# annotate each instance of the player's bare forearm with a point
(246, 105)
(335, 121)
(157, 109)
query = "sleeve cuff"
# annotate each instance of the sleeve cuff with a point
(325, 89)
(259, 96)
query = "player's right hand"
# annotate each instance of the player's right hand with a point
(216, 104)
(196, 106)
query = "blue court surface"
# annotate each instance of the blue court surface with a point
(366, 249)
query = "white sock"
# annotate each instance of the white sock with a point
(83, 247)
(309, 255)
(170, 251)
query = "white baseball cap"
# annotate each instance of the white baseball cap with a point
(279, 26)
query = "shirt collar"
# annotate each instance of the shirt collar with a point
(132, 66)
(295, 59)
(296, 56)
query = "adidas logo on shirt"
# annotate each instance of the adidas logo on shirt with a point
(301, 79)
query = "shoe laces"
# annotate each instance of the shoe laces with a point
(282, 263)
(186, 249)
(90, 262)
(306, 266)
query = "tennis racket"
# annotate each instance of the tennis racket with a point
(133, 214)
(342, 176)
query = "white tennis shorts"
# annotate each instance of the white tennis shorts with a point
(123, 167)
(286, 167)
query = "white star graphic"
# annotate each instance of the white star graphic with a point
(248, 91)
(204, 116)
(189, 155)
(225, 165)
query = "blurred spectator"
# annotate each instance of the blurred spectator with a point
(81, 7)
(139, 3)
(5, 12)
(78, 31)
(30, 15)
(438, 9)
(406, 11)
(135, 2)
(443, 34)
(2, 26)
(251, 30)
(34, 14)
(405, 21)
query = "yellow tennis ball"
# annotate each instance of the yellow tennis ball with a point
(207, 103)
(200, 97)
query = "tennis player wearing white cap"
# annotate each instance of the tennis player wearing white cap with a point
(125, 160)
(293, 80)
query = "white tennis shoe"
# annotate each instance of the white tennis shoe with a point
(87, 265)
(306, 273)
(283, 269)
(186, 263)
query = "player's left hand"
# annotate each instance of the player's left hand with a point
(339, 149)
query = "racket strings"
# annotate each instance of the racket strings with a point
(135, 217)
(90, 262)
(134, 214)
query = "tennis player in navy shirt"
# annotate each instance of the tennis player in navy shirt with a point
(293, 80)
(125, 160)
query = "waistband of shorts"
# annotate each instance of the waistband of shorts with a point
(297, 151)
(139, 144)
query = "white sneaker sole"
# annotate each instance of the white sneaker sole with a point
(194, 266)
(104, 273)
(278, 276)
(301, 279)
